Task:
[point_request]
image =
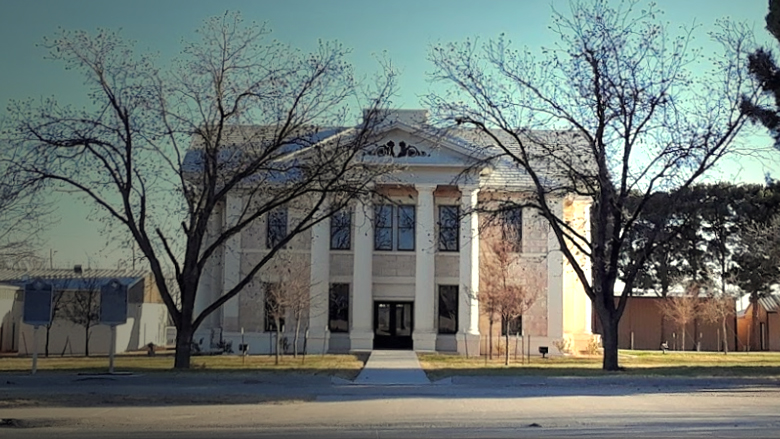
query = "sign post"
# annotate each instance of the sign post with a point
(37, 311)
(113, 349)
(35, 350)
(113, 311)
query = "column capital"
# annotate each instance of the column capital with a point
(425, 187)
(468, 188)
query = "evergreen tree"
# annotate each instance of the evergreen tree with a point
(764, 68)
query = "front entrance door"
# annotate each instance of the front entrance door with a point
(393, 324)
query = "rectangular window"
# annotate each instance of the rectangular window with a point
(338, 308)
(274, 308)
(514, 326)
(449, 228)
(340, 230)
(277, 227)
(383, 227)
(405, 228)
(448, 309)
(390, 234)
(512, 228)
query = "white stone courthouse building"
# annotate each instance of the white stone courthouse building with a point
(403, 271)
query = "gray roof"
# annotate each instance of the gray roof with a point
(241, 141)
(770, 303)
(65, 278)
(547, 149)
(559, 147)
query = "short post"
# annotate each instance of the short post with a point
(324, 340)
(35, 350)
(305, 343)
(243, 347)
(112, 349)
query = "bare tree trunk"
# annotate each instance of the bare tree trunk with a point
(506, 351)
(725, 337)
(278, 341)
(754, 324)
(663, 329)
(46, 347)
(86, 340)
(609, 339)
(295, 337)
(682, 339)
(183, 345)
(490, 340)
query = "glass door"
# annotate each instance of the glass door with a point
(393, 325)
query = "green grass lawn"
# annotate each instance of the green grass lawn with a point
(345, 366)
(640, 363)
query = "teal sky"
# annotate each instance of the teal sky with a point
(403, 29)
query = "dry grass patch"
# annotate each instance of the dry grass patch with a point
(639, 363)
(345, 366)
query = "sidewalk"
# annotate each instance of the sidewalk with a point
(392, 368)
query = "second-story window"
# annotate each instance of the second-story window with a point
(405, 228)
(340, 230)
(277, 227)
(394, 227)
(449, 228)
(383, 227)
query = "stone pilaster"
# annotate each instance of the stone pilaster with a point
(319, 289)
(468, 313)
(554, 277)
(361, 333)
(232, 263)
(424, 335)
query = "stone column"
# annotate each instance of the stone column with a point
(424, 334)
(361, 332)
(554, 277)
(468, 312)
(587, 269)
(232, 260)
(319, 290)
(210, 285)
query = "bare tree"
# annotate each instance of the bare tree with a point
(489, 304)
(57, 305)
(756, 265)
(275, 314)
(718, 307)
(682, 309)
(81, 306)
(501, 272)
(24, 214)
(294, 293)
(159, 153)
(609, 113)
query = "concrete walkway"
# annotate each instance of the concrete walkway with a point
(392, 368)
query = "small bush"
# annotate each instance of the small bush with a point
(594, 345)
(563, 345)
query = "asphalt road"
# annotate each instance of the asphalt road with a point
(265, 406)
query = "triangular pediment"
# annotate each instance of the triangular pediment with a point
(422, 148)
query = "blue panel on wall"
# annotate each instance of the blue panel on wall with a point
(37, 303)
(113, 303)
